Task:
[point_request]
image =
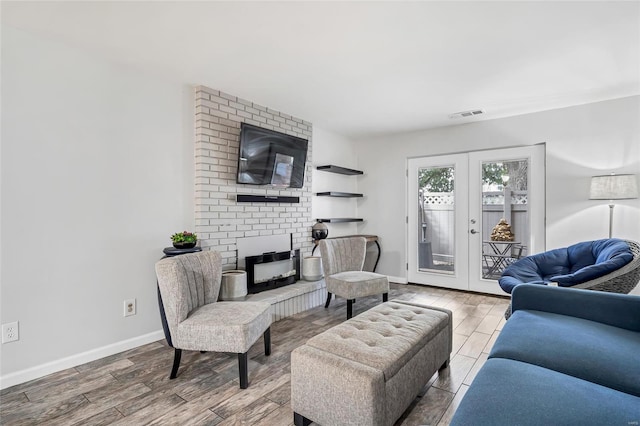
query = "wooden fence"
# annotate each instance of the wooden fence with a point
(438, 220)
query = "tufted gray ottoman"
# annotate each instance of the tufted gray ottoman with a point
(367, 370)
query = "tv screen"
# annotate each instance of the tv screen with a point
(267, 157)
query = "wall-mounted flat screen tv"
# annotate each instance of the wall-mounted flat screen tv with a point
(267, 157)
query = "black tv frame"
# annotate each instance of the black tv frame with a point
(288, 145)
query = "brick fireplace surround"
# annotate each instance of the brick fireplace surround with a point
(220, 219)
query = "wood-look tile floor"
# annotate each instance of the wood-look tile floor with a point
(133, 387)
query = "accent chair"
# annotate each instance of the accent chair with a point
(189, 287)
(342, 262)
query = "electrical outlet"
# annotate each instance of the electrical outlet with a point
(129, 307)
(10, 332)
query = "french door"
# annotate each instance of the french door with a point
(470, 215)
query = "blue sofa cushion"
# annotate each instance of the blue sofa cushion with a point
(507, 392)
(599, 353)
(568, 266)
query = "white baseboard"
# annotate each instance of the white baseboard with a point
(398, 280)
(38, 371)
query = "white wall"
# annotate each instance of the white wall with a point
(97, 172)
(331, 148)
(581, 141)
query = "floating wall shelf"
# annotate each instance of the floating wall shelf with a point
(340, 219)
(339, 170)
(338, 194)
(250, 198)
(342, 171)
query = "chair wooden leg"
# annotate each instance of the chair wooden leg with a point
(326, 305)
(349, 308)
(300, 420)
(243, 366)
(267, 341)
(385, 297)
(176, 363)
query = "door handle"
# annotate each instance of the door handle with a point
(473, 231)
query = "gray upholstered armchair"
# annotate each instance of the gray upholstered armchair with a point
(342, 262)
(189, 285)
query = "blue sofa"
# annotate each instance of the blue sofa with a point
(565, 357)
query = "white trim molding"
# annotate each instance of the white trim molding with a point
(42, 370)
(398, 280)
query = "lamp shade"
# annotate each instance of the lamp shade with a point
(613, 187)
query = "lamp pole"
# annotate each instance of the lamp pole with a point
(611, 205)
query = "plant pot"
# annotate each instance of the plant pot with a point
(312, 268)
(184, 245)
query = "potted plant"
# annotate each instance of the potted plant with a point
(184, 240)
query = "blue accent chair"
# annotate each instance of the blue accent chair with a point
(569, 266)
(565, 357)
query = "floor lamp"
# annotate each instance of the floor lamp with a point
(613, 187)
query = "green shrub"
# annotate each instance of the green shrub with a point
(184, 237)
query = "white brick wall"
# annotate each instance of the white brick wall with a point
(219, 218)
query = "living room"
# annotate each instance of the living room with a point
(99, 137)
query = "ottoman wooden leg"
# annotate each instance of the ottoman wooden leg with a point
(300, 420)
(385, 297)
(445, 365)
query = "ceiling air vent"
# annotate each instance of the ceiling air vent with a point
(462, 114)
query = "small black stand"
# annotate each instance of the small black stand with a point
(172, 251)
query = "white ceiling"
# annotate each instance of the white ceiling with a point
(362, 68)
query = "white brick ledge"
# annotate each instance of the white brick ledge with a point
(292, 299)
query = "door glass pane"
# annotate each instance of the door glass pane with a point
(436, 219)
(505, 215)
